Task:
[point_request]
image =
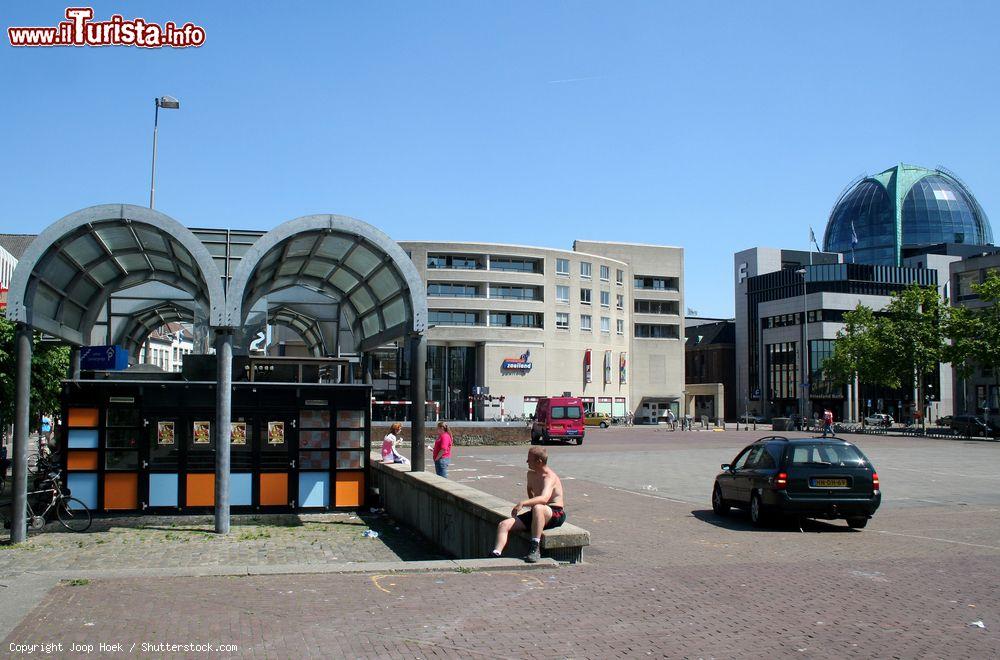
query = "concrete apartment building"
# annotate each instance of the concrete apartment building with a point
(978, 392)
(603, 321)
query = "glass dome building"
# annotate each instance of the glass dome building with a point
(904, 206)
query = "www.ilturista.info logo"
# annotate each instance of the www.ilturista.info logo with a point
(80, 30)
(522, 363)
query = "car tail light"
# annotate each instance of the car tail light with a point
(875, 481)
(781, 481)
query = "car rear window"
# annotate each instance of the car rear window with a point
(812, 454)
(566, 412)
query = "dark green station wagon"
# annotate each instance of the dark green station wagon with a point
(805, 477)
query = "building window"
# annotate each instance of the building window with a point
(562, 320)
(515, 264)
(443, 317)
(605, 273)
(585, 296)
(562, 266)
(562, 293)
(458, 261)
(620, 300)
(605, 299)
(820, 382)
(621, 326)
(447, 290)
(585, 269)
(510, 292)
(782, 372)
(655, 331)
(619, 276)
(656, 306)
(515, 320)
(657, 283)
(585, 323)
(605, 325)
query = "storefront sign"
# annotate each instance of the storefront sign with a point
(101, 358)
(522, 363)
(587, 376)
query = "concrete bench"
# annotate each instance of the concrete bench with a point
(462, 520)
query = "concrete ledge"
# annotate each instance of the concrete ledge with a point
(461, 520)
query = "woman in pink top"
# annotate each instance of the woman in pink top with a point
(442, 450)
(389, 453)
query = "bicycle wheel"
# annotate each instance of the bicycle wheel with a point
(73, 514)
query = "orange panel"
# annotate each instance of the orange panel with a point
(83, 417)
(201, 489)
(350, 489)
(81, 460)
(121, 491)
(274, 489)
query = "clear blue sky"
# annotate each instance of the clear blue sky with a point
(715, 126)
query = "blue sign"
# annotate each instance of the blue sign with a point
(522, 363)
(103, 358)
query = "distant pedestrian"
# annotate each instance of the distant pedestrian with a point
(389, 452)
(827, 422)
(442, 450)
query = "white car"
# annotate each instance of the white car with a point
(879, 419)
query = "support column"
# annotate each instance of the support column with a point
(418, 396)
(366, 367)
(74, 363)
(23, 345)
(223, 418)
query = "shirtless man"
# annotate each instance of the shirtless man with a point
(545, 506)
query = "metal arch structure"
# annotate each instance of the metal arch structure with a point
(70, 270)
(307, 326)
(144, 322)
(374, 281)
(345, 258)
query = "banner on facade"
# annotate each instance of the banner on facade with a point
(587, 377)
(607, 367)
(622, 369)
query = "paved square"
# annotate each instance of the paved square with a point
(664, 576)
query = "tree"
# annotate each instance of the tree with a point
(49, 365)
(975, 331)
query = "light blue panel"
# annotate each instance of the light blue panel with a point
(240, 489)
(314, 489)
(82, 439)
(84, 488)
(162, 490)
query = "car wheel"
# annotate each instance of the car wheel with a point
(604, 425)
(579, 441)
(758, 515)
(719, 505)
(857, 523)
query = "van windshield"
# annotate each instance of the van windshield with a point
(566, 412)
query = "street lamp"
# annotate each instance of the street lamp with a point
(168, 103)
(805, 348)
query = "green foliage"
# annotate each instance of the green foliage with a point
(49, 365)
(975, 331)
(853, 350)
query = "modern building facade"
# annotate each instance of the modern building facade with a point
(906, 206)
(776, 289)
(710, 359)
(603, 321)
(978, 392)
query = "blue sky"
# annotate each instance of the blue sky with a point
(713, 126)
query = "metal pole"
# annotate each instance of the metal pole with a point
(418, 397)
(23, 344)
(223, 419)
(74, 363)
(152, 176)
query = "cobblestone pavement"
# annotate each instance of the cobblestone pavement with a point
(664, 576)
(181, 541)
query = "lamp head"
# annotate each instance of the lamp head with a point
(168, 102)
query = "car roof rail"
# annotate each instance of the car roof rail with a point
(771, 438)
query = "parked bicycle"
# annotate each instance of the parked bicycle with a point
(50, 498)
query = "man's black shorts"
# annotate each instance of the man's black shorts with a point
(557, 519)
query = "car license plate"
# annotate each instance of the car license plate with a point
(830, 483)
(571, 432)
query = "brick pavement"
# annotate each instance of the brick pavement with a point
(664, 577)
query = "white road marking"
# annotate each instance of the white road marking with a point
(932, 538)
(655, 497)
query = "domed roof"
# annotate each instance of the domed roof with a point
(904, 206)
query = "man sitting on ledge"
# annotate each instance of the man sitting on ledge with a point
(545, 506)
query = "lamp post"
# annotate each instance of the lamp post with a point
(805, 349)
(168, 103)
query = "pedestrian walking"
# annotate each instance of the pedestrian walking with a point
(827, 422)
(442, 450)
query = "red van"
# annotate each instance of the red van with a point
(557, 417)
